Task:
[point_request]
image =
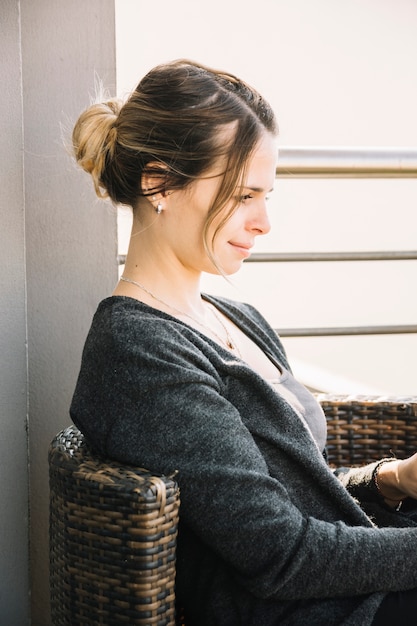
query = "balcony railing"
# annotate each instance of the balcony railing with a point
(328, 162)
(347, 162)
(342, 162)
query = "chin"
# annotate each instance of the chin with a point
(228, 268)
(225, 271)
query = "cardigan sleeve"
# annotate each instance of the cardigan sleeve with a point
(163, 405)
(360, 483)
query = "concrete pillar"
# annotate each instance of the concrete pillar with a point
(14, 569)
(58, 259)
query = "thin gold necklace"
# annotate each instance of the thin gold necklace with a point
(227, 342)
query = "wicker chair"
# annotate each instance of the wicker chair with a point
(113, 528)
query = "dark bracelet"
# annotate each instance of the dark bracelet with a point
(375, 481)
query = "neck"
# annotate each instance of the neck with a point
(159, 269)
(163, 297)
(178, 292)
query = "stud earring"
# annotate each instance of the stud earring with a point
(158, 208)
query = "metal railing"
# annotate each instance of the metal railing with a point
(308, 257)
(344, 162)
(329, 162)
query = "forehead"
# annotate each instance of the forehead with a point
(258, 172)
(261, 166)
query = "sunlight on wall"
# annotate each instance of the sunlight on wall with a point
(337, 73)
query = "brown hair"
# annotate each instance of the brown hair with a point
(171, 123)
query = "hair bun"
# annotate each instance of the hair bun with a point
(94, 137)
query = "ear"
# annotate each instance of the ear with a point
(153, 181)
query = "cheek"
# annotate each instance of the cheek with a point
(221, 234)
(228, 232)
(229, 218)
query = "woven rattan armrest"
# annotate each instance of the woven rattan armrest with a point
(113, 535)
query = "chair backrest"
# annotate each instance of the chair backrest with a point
(113, 532)
(361, 429)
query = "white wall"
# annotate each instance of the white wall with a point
(337, 72)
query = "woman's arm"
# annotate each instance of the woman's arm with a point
(397, 480)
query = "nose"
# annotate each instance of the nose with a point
(258, 221)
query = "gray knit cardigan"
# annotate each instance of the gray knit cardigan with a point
(268, 534)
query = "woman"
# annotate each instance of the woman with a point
(175, 380)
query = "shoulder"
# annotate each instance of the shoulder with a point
(128, 330)
(127, 318)
(120, 321)
(130, 324)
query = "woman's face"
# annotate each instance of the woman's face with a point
(234, 240)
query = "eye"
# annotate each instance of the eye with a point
(245, 198)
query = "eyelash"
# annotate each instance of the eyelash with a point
(249, 197)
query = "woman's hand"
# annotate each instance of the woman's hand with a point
(397, 480)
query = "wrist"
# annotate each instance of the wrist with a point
(387, 482)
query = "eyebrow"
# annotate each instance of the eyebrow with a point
(257, 189)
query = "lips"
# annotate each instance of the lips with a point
(243, 248)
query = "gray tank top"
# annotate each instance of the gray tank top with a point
(304, 404)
